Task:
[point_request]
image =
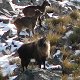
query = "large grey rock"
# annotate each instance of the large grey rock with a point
(38, 75)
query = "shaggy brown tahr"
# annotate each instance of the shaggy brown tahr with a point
(27, 22)
(29, 11)
(38, 50)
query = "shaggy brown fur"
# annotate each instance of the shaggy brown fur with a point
(27, 22)
(30, 10)
(39, 50)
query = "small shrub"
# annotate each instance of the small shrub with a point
(75, 66)
(1, 78)
(75, 36)
(77, 30)
(76, 71)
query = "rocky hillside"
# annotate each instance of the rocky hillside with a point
(61, 25)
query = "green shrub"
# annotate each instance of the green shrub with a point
(76, 70)
(0, 76)
(77, 30)
(75, 66)
(73, 38)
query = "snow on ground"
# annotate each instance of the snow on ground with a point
(6, 68)
(77, 52)
(51, 15)
(8, 47)
(54, 67)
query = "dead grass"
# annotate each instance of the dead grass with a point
(66, 20)
(67, 64)
(75, 15)
(15, 60)
(66, 53)
(65, 77)
(61, 29)
(53, 38)
(49, 9)
(57, 22)
(48, 22)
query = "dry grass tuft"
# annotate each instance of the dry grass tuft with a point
(65, 77)
(66, 20)
(61, 29)
(53, 38)
(67, 64)
(75, 15)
